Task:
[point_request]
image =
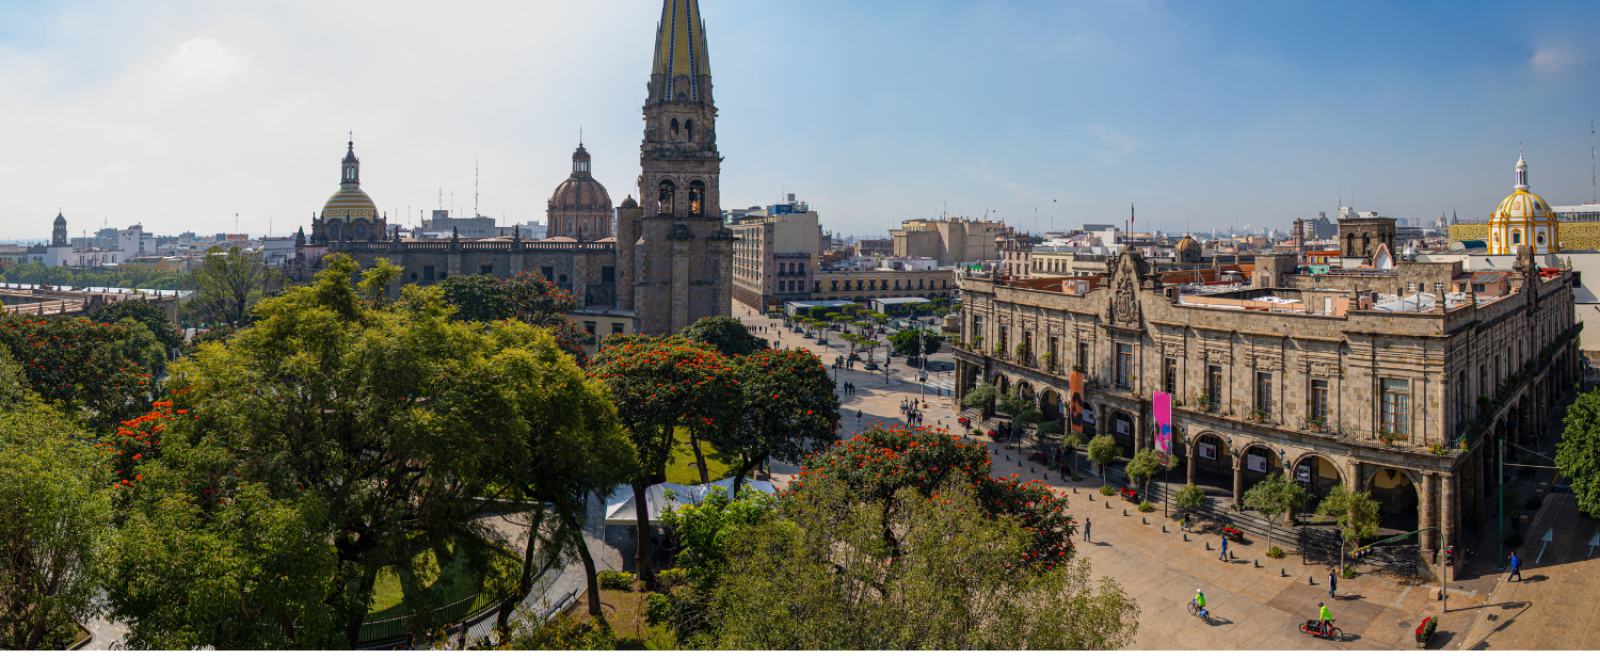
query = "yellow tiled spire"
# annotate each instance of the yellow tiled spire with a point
(681, 41)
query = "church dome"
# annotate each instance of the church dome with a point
(1523, 219)
(580, 192)
(349, 203)
(1187, 244)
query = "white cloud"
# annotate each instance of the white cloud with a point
(1549, 60)
(203, 61)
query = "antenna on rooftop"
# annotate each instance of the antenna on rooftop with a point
(1592, 198)
(475, 184)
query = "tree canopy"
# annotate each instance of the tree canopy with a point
(78, 366)
(1578, 456)
(1273, 498)
(338, 436)
(725, 333)
(148, 314)
(905, 341)
(56, 511)
(227, 284)
(789, 409)
(527, 297)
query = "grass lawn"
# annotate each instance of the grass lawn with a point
(445, 585)
(682, 469)
(626, 612)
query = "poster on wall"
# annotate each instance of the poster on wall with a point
(1122, 427)
(1077, 401)
(1303, 473)
(1256, 463)
(1161, 407)
(1208, 451)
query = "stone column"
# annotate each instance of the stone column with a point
(680, 286)
(1357, 484)
(1194, 454)
(1447, 514)
(1138, 429)
(1425, 509)
(1238, 483)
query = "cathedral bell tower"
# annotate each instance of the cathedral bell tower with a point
(673, 243)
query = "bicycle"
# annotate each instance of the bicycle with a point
(1194, 610)
(1316, 628)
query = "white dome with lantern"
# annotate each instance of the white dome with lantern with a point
(1523, 218)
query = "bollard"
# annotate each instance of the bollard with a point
(1208, 545)
(1282, 572)
(1185, 537)
(1144, 521)
(1163, 528)
(1107, 503)
(1231, 557)
(1258, 562)
(1075, 491)
(1124, 511)
(1310, 581)
(1074, 488)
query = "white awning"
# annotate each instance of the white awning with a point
(621, 511)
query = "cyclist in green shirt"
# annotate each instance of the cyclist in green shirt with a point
(1324, 618)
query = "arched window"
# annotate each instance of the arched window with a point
(333, 230)
(697, 199)
(688, 127)
(665, 205)
(1366, 243)
(674, 128)
(361, 231)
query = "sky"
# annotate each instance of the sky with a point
(204, 116)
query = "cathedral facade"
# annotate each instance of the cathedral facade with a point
(670, 261)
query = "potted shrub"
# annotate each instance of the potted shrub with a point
(1258, 414)
(1425, 631)
(1315, 422)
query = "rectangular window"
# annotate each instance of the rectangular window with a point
(427, 273)
(1461, 399)
(486, 269)
(549, 273)
(1083, 356)
(1124, 365)
(1264, 393)
(616, 328)
(1319, 400)
(1169, 378)
(1397, 406)
(1214, 385)
(608, 274)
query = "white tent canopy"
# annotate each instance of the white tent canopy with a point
(621, 511)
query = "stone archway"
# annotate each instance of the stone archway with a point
(1025, 391)
(1318, 475)
(1397, 494)
(1050, 405)
(1211, 455)
(1258, 462)
(1122, 429)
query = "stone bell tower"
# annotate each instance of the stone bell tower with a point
(682, 255)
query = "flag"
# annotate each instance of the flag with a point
(1131, 216)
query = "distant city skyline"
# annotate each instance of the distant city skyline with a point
(178, 115)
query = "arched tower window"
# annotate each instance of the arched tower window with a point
(668, 192)
(1366, 244)
(674, 128)
(697, 199)
(688, 128)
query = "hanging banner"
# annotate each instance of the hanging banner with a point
(1161, 408)
(1077, 402)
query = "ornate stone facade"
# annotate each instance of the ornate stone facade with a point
(670, 263)
(1402, 404)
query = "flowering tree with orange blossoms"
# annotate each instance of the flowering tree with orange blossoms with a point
(789, 410)
(656, 385)
(76, 365)
(877, 464)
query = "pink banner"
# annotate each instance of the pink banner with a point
(1161, 407)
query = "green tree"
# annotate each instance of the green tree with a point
(527, 297)
(981, 396)
(227, 284)
(905, 342)
(150, 315)
(1103, 450)
(56, 510)
(1274, 498)
(140, 346)
(76, 365)
(1578, 456)
(569, 444)
(823, 576)
(332, 439)
(729, 336)
(1189, 497)
(1355, 513)
(1145, 465)
(657, 385)
(1070, 443)
(789, 410)
(1013, 403)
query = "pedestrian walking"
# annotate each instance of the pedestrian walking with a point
(1087, 525)
(1186, 520)
(1333, 584)
(858, 416)
(1516, 568)
(1224, 556)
